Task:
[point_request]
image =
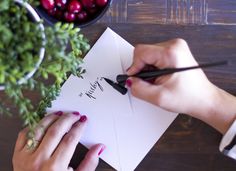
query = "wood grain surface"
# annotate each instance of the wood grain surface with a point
(188, 144)
(185, 12)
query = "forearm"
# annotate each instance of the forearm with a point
(222, 111)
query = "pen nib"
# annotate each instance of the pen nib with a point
(116, 86)
(109, 81)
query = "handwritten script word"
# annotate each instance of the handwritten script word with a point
(93, 87)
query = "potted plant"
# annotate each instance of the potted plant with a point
(30, 54)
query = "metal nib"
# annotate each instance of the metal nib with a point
(116, 86)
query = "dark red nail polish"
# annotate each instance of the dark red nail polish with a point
(128, 83)
(58, 113)
(83, 118)
(101, 150)
(76, 113)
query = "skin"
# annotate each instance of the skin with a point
(57, 146)
(186, 92)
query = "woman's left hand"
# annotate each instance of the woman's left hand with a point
(57, 135)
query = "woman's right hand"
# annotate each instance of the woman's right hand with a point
(187, 92)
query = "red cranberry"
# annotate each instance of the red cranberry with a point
(88, 3)
(47, 4)
(92, 10)
(52, 12)
(82, 16)
(101, 3)
(74, 6)
(59, 14)
(61, 3)
(69, 17)
(55, 12)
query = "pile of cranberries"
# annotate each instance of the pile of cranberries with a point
(78, 11)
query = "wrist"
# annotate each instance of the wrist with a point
(220, 112)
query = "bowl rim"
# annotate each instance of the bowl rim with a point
(51, 20)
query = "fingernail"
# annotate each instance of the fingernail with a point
(128, 82)
(76, 113)
(101, 150)
(83, 118)
(58, 113)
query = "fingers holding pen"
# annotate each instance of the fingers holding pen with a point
(144, 55)
(145, 90)
(161, 55)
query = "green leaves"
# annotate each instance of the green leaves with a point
(4, 5)
(21, 41)
(19, 52)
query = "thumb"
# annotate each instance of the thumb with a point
(91, 159)
(145, 90)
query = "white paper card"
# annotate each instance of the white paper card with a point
(129, 127)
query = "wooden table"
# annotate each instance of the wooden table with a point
(208, 27)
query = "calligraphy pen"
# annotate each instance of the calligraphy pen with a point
(150, 74)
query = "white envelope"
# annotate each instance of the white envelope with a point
(129, 127)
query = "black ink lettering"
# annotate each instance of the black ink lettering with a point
(93, 88)
(100, 86)
(90, 95)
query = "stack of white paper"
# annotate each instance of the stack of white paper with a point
(127, 126)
